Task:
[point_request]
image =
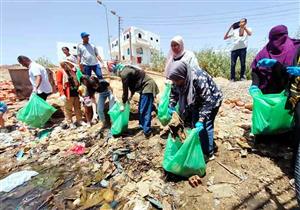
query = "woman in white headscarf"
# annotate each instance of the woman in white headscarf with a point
(177, 52)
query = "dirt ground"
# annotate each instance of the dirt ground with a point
(246, 174)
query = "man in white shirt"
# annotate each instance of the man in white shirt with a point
(38, 77)
(69, 56)
(88, 57)
(239, 34)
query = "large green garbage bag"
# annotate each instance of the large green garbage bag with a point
(36, 112)
(119, 119)
(163, 106)
(269, 115)
(78, 74)
(184, 159)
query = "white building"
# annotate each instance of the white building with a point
(73, 50)
(137, 46)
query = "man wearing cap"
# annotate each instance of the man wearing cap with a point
(88, 57)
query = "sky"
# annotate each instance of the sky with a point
(32, 27)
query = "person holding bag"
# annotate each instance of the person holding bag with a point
(67, 85)
(136, 80)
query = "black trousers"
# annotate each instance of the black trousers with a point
(241, 53)
(43, 95)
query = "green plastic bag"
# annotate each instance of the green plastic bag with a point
(119, 119)
(36, 112)
(78, 74)
(269, 115)
(184, 159)
(163, 115)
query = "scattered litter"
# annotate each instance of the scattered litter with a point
(16, 179)
(78, 149)
(154, 202)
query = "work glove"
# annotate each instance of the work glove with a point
(254, 90)
(122, 108)
(266, 62)
(171, 110)
(199, 126)
(293, 70)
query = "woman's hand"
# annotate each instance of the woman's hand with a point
(293, 70)
(266, 62)
(195, 181)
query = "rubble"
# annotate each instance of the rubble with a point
(85, 168)
(7, 92)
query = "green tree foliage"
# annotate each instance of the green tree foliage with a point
(158, 61)
(216, 63)
(45, 62)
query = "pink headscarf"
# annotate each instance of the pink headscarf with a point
(172, 55)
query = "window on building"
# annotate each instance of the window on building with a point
(139, 35)
(127, 36)
(123, 57)
(128, 51)
(151, 38)
(139, 51)
(74, 47)
(156, 40)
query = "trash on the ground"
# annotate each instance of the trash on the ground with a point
(244, 153)
(78, 149)
(16, 179)
(44, 133)
(154, 202)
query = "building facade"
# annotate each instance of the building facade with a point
(137, 46)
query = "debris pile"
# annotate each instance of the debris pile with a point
(7, 92)
(88, 168)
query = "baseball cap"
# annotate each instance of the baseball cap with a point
(84, 34)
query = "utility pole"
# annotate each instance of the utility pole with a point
(119, 19)
(107, 26)
(130, 46)
(119, 25)
(108, 36)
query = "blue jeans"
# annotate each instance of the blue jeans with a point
(145, 109)
(101, 102)
(96, 68)
(207, 134)
(241, 53)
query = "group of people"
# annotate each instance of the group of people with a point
(274, 69)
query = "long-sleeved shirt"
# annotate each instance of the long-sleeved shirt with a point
(208, 96)
(188, 57)
(67, 84)
(271, 80)
(275, 79)
(136, 80)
